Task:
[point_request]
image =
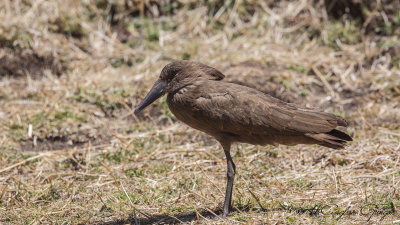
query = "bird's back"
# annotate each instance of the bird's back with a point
(242, 114)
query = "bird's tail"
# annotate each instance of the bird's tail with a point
(333, 139)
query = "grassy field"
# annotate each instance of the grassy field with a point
(73, 152)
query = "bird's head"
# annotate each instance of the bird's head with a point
(175, 76)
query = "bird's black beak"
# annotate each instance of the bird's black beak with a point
(155, 92)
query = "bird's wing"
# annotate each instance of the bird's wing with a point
(238, 109)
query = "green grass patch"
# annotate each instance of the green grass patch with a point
(345, 32)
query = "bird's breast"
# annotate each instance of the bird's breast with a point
(183, 105)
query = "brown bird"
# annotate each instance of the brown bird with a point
(198, 96)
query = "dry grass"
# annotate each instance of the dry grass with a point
(71, 151)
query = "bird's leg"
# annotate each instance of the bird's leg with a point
(231, 176)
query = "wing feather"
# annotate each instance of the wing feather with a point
(240, 109)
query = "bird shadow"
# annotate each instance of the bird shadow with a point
(177, 218)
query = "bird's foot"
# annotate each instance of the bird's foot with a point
(219, 216)
(223, 214)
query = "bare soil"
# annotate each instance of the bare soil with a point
(20, 62)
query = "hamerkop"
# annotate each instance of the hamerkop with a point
(198, 96)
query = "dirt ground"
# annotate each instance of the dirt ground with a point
(73, 152)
